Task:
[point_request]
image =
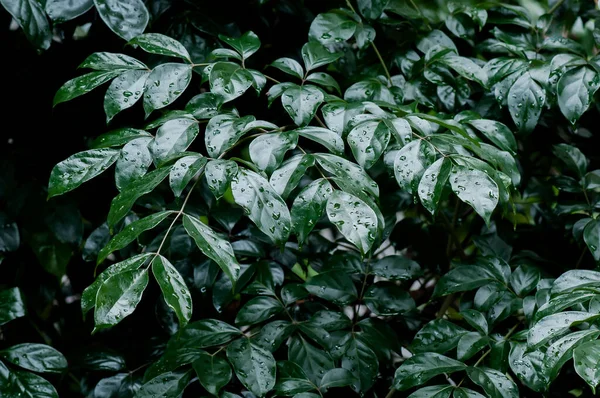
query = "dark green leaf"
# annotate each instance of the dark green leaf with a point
(219, 174)
(493, 382)
(127, 18)
(118, 137)
(61, 11)
(254, 366)
(475, 188)
(173, 137)
(309, 206)
(313, 361)
(205, 105)
(224, 131)
(525, 101)
(165, 84)
(156, 43)
(11, 305)
(133, 162)
(331, 27)
(591, 236)
(267, 151)
(289, 66)
(229, 80)
(30, 16)
(184, 170)
(124, 92)
(245, 45)
(315, 55)
(419, 368)
(410, 164)
(213, 372)
(332, 286)
(167, 385)
(286, 178)
(437, 336)
(175, 292)
(257, 310)
(388, 299)
(433, 182)
(35, 357)
(362, 363)
(586, 358)
(555, 325)
(301, 103)
(111, 61)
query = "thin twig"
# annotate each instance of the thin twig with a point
(556, 6)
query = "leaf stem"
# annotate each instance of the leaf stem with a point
(271, 79)
(420, 14)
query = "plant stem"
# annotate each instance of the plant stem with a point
(420, 14)
(320, 121)
(556, 6)
(391, 393)
(271, 79)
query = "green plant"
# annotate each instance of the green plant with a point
(363, 214)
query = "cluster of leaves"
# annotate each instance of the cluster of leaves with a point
(289, 226)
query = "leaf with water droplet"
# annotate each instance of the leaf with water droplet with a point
(213, 372)
(475, 188)
(166, 385)
(287, 177)
(302, 102)
(172, 138)
(127, 18)
(155, 43)
(254, 366)
(121, 93)
(175, 292)
(419, 368)
(495, 383)
(165, 84)
(525, 101)
(229, 80)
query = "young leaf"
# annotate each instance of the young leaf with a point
(315, 55)
(175, 292)
(432, 183)
(82, 85)
(353, 218)
(127, 18)
(219, 174)
(213, 246)
(156, 43)
(368, 141)
(555, 325)
(262, 205)
(165, 84)
(213, 372)
(118, 137)
(253, 366)
(35, 357)
(79, 168)
(133, 162)
(118, 296)
(245, 45)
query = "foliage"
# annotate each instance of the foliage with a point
(372, 225)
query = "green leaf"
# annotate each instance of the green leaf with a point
(493, 382)
(524, 279)
(573, 158)
(273, 334)
(127, 18)
(433, 182)
(576, 90)
(267, 151)
(155, 43)
(173, 137)
(575, 279)
(410, 164)
(118, 137)
(308, 207)
(133, 162)
(118, 296)
(367, 141)
(591, 236)
(253, 366)
(16, 383)
(555, 325)
(476, 320)
(257, 310)
(205, 105)
(475, 188)
(525, 101)
(362, 362)
(123, 202)
(82, 85)
(30, 16)
(35, 357)
(470, 344)
(184, 170)
(386, 299)
(353, 178)
(337, 378)
(438, 336)
(79, 168)
(561, 351)
(330, 140)
(466, 68)
(213, 372)
(353, 218)
(324, 80)
(214, 247)
(562, 302)
(434, 392)
(111, 61)
(395, 268)
(292, 379)
(332, 286)
(419, 368)
(166, 385)
(315, 55)
(124, 92)
(245, 45)
(331, 27)
(165, 84)
(496, 132)
(313, 361)
(11, 305)
(372, 9)
(229, 80)
(369, 90)
(529, 367)
(224, 131)
(219, 174)
(121, 383)
(436, 38)
(88, 297)
(204, 333)
(286, 178)
(262, 205)
(62, 11)
(586, 358)
(175, 292)
(301, 103)
(289, 66)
